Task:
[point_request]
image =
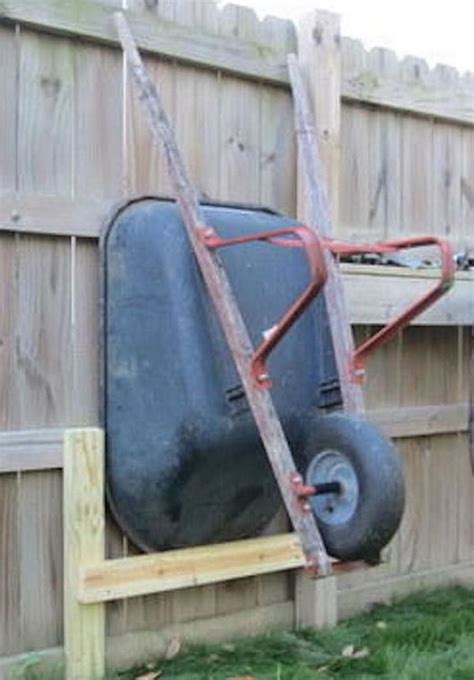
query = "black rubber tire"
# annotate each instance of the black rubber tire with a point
(379, 473)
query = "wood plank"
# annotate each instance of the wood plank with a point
(206, 127)
(84, 627)
(239, 179)
(132, 576)
(419, 91)
(422, 93)
(277, 151)
(376, 295)
(417, 215)
(56, 215)
(8, 104)
(39, 390)
(92, 21)
(443, 498)
(319, 172)
(356, 126)
(45, 114)
(416, 421)
(40, 527)
(8, 297)
(465, 503)
(98, 148)
(145, 164)
(315, 602)
(33, 212)
(25, 450)
(85, 331)
(414, 553)
(368, 595)
(239, 138)
(467, 190)
(277, 144)
(318, 131)
(10, 623)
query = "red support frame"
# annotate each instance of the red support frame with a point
(314, 248)
(392, 328)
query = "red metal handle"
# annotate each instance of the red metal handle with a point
(313, 247)
(434, 293)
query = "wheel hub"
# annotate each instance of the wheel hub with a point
(327, 467)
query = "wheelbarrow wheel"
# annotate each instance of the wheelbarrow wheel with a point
(361, 516)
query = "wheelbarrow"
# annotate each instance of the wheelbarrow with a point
(185, 461)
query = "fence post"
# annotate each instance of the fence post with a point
(319, 56)
(84, 625)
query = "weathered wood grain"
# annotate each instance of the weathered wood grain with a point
(8, 122)
(84, 627)
(40, 529)
(92, 21)
(132, 576)
(10, 621)
(318, 166)
(375, 295)
(98, 121)
(421, 91)
(24, 450)
(315, 78)
(45, 114)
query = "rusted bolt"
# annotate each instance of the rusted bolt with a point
(263, 377)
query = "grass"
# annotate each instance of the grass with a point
(427, 636)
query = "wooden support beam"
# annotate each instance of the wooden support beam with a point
(28, 450)
(376, 294)
(36, 213)
(318, 141)
(174, 569)
(416, 421)
(317, 71)
(25, 450)
(84, 541)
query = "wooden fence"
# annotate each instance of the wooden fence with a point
(73, 143)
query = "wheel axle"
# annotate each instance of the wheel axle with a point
(307, 490)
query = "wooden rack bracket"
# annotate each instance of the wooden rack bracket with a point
(91, 580)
